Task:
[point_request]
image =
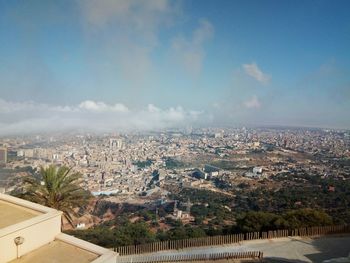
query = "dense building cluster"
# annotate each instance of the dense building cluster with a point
(148, 168)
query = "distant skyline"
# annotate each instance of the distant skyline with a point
(109, 65)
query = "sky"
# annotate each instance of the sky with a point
(125, 65)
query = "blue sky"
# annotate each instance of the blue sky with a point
(187, 62)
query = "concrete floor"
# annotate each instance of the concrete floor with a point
(57, 251)
(11, 214)
(299, 250)
(303, 249)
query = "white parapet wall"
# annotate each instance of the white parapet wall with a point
(105, 255)
(34, 232)
(42, 226)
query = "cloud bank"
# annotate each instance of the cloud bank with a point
(92, 116)
(90, 105)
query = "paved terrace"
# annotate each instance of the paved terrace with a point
(291, 249)
(58, 251)
(13, 214)
(38, 228)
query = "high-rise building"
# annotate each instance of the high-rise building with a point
(3, 156)
(115, 143)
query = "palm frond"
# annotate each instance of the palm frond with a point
(57, 188)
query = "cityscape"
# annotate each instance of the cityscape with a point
(199, 178)
(174, 131)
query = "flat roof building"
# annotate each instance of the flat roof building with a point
(32, 233)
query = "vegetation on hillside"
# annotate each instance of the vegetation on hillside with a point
(122, 232)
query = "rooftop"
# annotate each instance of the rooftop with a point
(60, 251)
(13, 214)
(31, 232)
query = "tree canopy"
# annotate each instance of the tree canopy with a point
(57, 188)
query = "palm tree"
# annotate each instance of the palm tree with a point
(57, 188)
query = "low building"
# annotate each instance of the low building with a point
(258, 170)
(257, 173)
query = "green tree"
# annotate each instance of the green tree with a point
(195, 232)
(133, 234)
(57, 188)
(260, 221)
(307, 218)
(178, 232)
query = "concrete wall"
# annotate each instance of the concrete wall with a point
(106, 256)
(35, 235)
(36, 231)
(39, 231)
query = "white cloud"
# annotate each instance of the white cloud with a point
(29, 117)
(190, 52)
(255, 72)
(143, 17)
(152, 108)
(127, 32)
(102, 107)
(252, 103)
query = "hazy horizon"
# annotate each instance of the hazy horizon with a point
(131, 65)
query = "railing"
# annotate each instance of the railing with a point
(229, 239)
(252, 255)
